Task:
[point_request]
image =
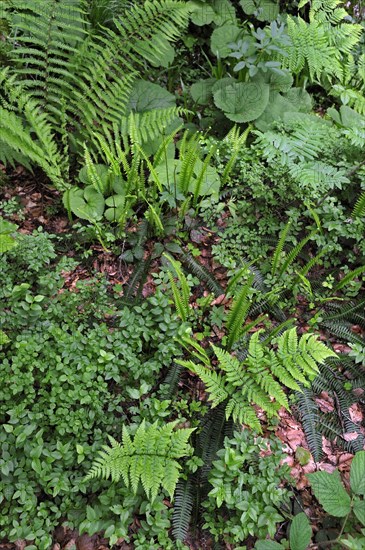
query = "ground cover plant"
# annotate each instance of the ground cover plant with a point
(182, 326)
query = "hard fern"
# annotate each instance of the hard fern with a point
(151, 457)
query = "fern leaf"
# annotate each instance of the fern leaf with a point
(238, 313)
(183, 506)
(309, 416)
(181, 299)
(149, 459)
(359, 208)
(279, 248)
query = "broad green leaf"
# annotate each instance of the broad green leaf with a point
(203, 14)
(281, 82)
(243, 101)
(7, 227)
(300, 532)
(330, 492)
(219, 11)
(86, 204)
(201, 91)
(221, 38)
(359, 509)
(357, 473)
(268, 545)
(146, 96)
(100, 169)
(302, 455)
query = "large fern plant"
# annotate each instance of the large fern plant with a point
(150, 458)
(260, 377)
(75, 78)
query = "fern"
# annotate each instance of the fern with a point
(323, 46)
(150, 458)
(238, 313)
(83, 77)
(182, 298)
(183, 507)
(309, 416)
(258, 379)
(202, 273)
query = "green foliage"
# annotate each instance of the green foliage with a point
(7, 240)
(71, 359)
(149, 458)
(299, 539)
(340, 385)
(67, 74)
(334, 498)
(258, 378)
(247, 488)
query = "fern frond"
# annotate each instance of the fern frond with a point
(202, 273)
(279, 248)
(308, 409)
(359, 208)
(181, 298)
(238, 313)
(183, 506)
(150, 458)
(60, 62)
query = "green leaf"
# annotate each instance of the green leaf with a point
(302, 455)
(300, 532)
(263, 10)
(146, 96)
(7, 227)
(357, 473)
(201, 91)
(221, 38)
(243, 101)
(268, 545)
(86, 204)
(101, 171)
(359, 509)
(330, 492)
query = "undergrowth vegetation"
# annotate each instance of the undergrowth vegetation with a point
(197, 279)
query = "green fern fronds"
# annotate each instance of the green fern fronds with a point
(309, 416)
(237, 143)
(279, 248)
(181, 298)
(202, 273)
(310, 49)
(325, 10)
(359, 208)
(183, 507)
(238, 313)
(258, 379)
(150, 458)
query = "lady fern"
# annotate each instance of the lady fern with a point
(258, 379)
(151, 457)
(81, 77)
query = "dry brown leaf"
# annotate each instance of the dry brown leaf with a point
(356, 413)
